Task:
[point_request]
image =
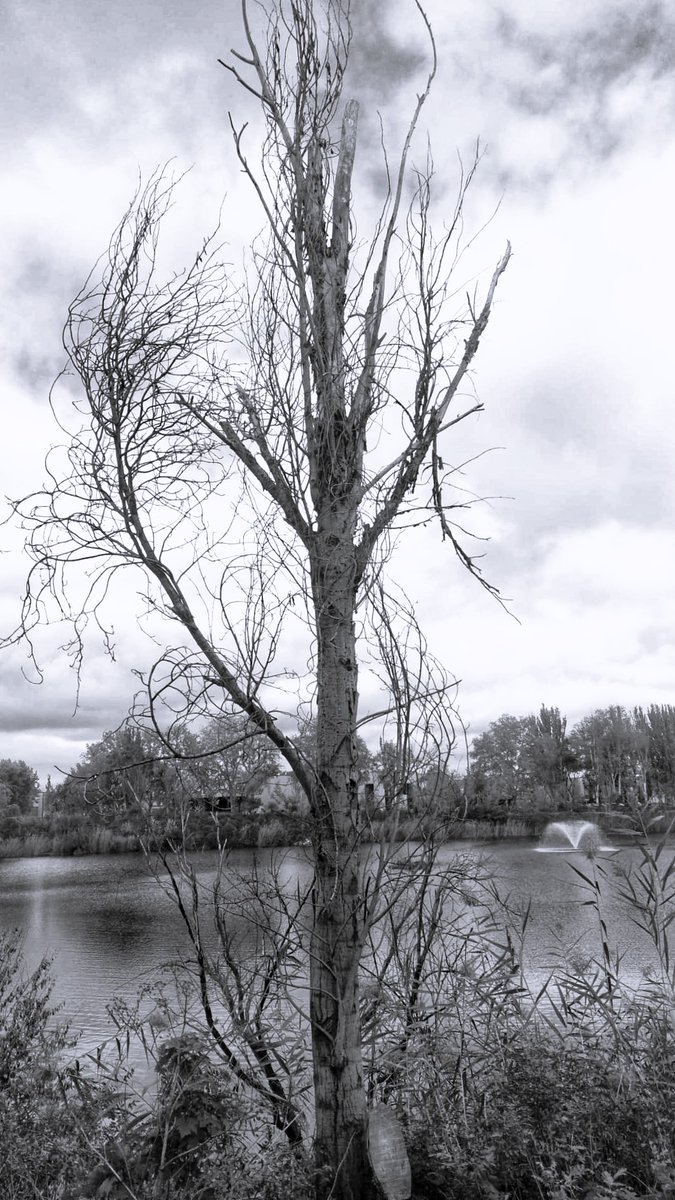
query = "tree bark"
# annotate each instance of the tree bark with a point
(338, 918)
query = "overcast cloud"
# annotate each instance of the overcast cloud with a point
(575, 107)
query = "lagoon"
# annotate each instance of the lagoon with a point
(108, 925)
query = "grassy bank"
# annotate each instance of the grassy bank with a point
(203, 835)
(89, 841)
(485, 828)
(79, 834)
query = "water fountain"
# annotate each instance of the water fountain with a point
(560, 837)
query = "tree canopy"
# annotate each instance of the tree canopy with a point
(19, 784)
(611, 757)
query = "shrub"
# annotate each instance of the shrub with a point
(48, 1113)
(551, 1116)
(10, 820)
(274, 832)
(200, 1138)
(566, 1095)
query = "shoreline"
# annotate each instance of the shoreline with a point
(92, 842)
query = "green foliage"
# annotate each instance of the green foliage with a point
(48, 1113)
(566, 1094)
(283, 815)
(68, 1133)
(500, 762)
(170, 1149)
(613, 752)
(10, 821)
(523, 762)
(65, 834)
(156, 781)
(125, 772)
(657, 726)
(18, 784)
(616, 757)
(551, 1113)
(491, 827)
(197, 1135)
(237, 761)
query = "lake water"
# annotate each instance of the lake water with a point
(109, 926)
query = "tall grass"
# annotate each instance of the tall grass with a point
(70, 842)
(566, 1093)
(470, 829)
(480, 830)
(503, 1092)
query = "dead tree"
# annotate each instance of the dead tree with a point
(310, 406)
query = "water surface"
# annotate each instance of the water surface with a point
(108, 925)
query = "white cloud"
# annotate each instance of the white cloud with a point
(575, 369)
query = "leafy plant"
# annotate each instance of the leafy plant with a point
(565, 1094)
(48, 1112)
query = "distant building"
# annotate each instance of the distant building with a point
(284, 792)
(237, 803)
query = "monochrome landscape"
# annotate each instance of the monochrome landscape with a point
(337, 757)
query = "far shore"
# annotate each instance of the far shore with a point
(248, 833)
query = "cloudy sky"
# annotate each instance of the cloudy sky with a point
(574, 105)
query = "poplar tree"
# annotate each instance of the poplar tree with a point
(314, 403)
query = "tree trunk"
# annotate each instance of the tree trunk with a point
(339, 1097)
(338, 915)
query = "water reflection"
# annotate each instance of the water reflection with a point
(109, 925)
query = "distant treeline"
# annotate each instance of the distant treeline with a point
(222, 782)
(612, 758)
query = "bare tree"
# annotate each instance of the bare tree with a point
(250, 446)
